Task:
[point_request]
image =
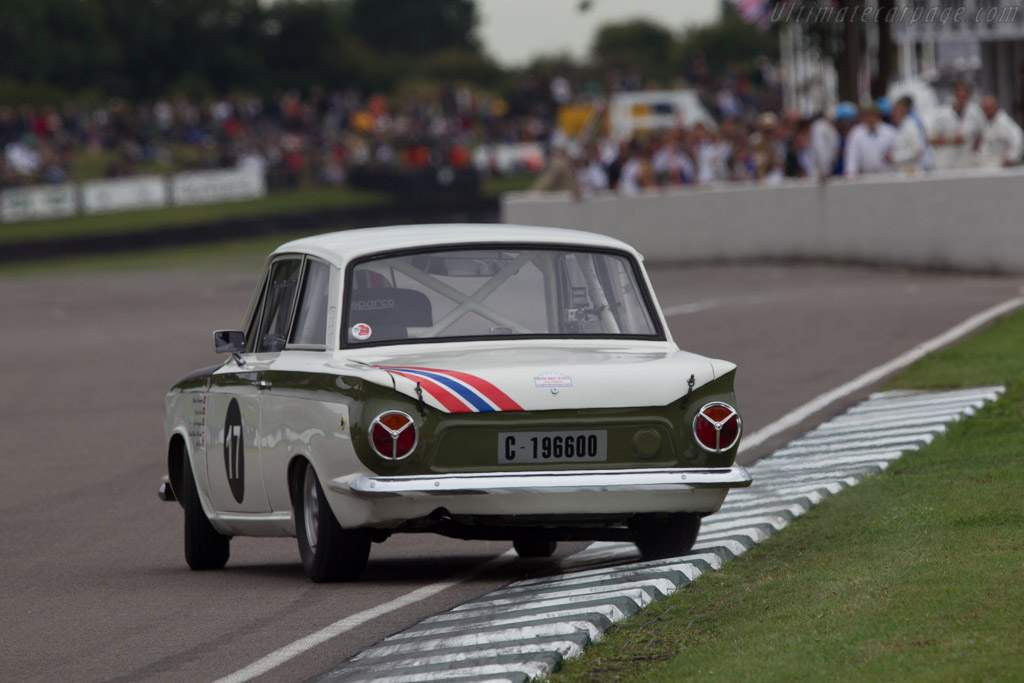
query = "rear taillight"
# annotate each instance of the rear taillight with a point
(393, 435)
(717, 427)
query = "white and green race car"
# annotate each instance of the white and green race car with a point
(476, 381)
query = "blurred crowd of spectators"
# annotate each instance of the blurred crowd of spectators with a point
(757, 146)
(300, 138)
(292, 138)
(297, 139)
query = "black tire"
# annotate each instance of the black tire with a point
(329, 553)
(205, 547)
(534, 547)
(665, 535)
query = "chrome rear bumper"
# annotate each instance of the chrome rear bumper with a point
(564, 481)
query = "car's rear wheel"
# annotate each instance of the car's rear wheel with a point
(205, 547)
(329, 553)
(534, 547)
(665, 535)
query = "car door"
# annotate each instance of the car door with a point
(295, 418)
(235, 437)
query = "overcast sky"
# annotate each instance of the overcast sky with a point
(515, 31)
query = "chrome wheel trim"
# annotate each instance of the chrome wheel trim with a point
(310, 508)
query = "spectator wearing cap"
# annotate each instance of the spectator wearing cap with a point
(868, 146)
(1002, 140)
(884, 105)
(910, 149)
(956, 130)
(845, 119)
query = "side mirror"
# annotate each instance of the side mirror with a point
(229, 341)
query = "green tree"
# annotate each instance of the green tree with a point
(59, 43)
(310, 43)
(163, 43)
(415, 27)
(728, 42)
(640, 45)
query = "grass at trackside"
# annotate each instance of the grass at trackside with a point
(246, 255)
(493, 186)
(914, 574)
(992, 357)
(284, 203)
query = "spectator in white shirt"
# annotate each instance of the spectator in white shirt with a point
(631, 177)
(711, 156)
(869, 145)
(910, 151)
(22, 156)
(1002, 140)
(824, 148)
(671, 165)
(956, 130)
(591, 176)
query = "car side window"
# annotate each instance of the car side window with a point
(311, 318)
(278, 306)
(250, 330)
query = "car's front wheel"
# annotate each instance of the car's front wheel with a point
(665, 535)
(329, 553)
(205, 547)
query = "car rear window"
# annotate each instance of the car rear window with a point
(448, 294)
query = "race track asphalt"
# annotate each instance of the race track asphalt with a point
(94, 582)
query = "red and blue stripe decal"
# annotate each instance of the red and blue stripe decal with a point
(458, 392)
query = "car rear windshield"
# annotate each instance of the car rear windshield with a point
(451, 294)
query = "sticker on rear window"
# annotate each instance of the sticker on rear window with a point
(361, 331)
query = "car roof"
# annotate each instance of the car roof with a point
(341, 247)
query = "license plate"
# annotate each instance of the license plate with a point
(540, 447)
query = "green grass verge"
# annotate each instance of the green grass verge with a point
(494, 186)
(285, 203)
(915, 574)
(992, 357)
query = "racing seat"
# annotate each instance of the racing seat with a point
(389, 311)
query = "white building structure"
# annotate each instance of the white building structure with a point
(983, 36)
(936, 40)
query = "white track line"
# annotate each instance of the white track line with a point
(871, 376)
(694, 307)
(292, 650)
(706, 304)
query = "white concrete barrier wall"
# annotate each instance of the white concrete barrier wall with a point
(968, 220)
